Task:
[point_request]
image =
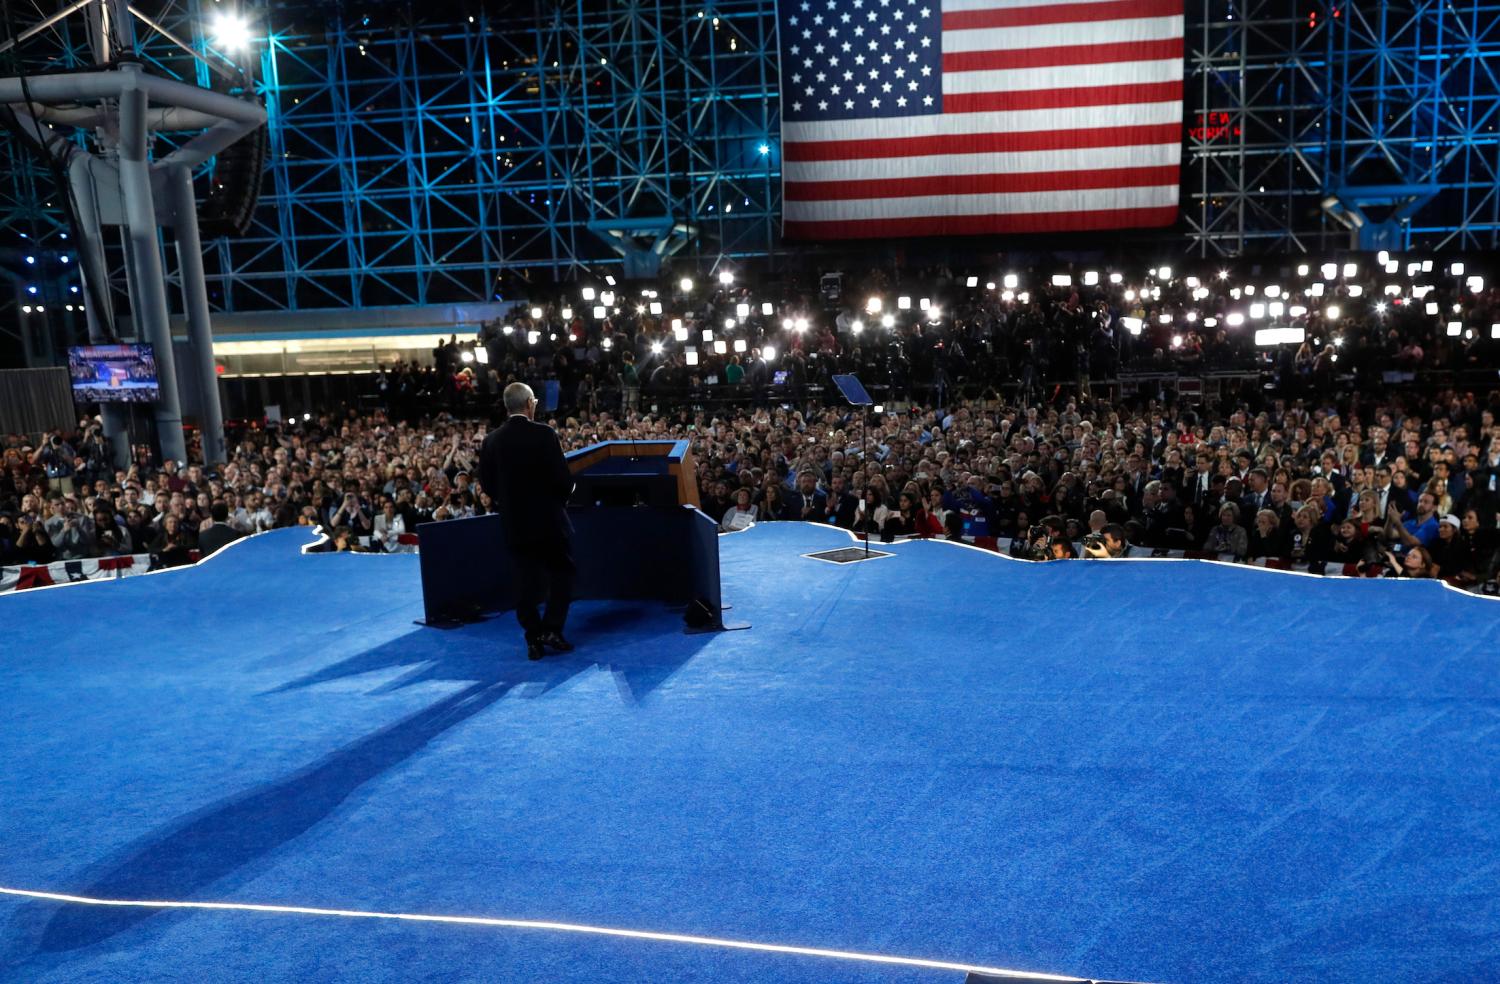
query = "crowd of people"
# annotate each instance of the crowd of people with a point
(938, 336)
(1401, 486)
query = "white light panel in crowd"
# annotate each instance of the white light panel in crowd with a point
(903, 302)
(1426, 266)
(1062, 280)
(1177, 341)
(1007, 295)
(1476, 284)
(588, 293)
(1351, 269)
(1420, 291)
(874, 305)
(1302, 269)
(1274, 290)
(609, 279)
(857, 327)
(1383, 256)
(679, 332)
(1210, 322)
(1495, 330)
(767, 309)
(888, 321)
(1191, 281)
(1090, 278)
(685, 285)
(726, 278)
(692, 356)
(533, 336)
(1132, 325)
(1250, 289)
(1276, 309)
(567, 314)
(1257, 311)
(1454, 327)
(768, 353)
(729, 324)
(925, 303)
(990, 285)
(1332, 313)
(1457, 269)
(1280, 336)
(1165, 273)
(1393, 266)
(1355, 290)
(1012, 281)
(1316, 291)
(742, 309)
(972, 282)
(536, 312)
(599, 312)
(1392, 290)
(607, 298)
(1235, 319)
(740, 345)
(656, 348)
(1117, 278)
(708, 334)
(1330, 271)
(800, 325)
(656, 307)
(1432, 307)
(721, 347)
(1296, 310)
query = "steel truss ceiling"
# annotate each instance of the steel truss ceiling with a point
(422, 161)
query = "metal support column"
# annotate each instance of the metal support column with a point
(96, 289)
(151, 302)
(195, 306)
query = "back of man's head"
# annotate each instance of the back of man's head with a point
(220, 512)
(517, 396)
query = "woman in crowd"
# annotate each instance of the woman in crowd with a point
(910, 519)
(1309, 540)
(741, 515)
(389, 526)
(1228, 537)
(1351, 546)
(772, 503)
(872, 513)
(172, 544)
(1415, 562)
(1267, 538)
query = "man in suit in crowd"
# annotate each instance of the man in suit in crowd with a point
(522, 468)
(220, 534)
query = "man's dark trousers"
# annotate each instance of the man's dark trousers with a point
(544, 573)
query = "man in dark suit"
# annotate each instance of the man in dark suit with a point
(218, 535)
(522, 468)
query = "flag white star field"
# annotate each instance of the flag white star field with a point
(969, 117)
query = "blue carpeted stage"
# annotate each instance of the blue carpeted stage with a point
(1150, 771)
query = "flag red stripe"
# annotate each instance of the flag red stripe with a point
(982, 143)
(979, 225)
(1085, 54)
(981, 184)
(1098, 95)
(1060, 13)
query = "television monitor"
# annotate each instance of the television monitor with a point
(113, 373)
(780, 378)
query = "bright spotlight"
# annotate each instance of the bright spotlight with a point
(466, 356)
(685, 284)
(726, 277)
(768, 353)
(874, 304)
(656, 348)
(889, 321)
(1332, 314)
(231, 32)
(536, 312)
(857, 327)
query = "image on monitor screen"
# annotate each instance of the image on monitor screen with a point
(113, 373)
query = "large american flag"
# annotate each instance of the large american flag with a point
(962, 117)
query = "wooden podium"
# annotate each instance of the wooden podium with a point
(638, 534)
